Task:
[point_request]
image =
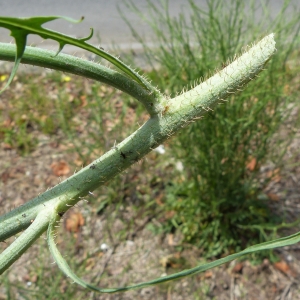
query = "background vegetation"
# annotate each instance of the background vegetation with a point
(220, 195)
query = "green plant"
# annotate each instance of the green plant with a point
(167, 116)
(216, 187)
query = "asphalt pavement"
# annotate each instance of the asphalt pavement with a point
(102, 15)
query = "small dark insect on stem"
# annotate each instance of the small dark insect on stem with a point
(123, 155)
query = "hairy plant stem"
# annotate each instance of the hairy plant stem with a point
(167, 117)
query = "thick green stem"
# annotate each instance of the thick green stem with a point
(25, 240)
(170, 116)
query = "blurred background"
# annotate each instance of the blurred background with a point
(104, 17)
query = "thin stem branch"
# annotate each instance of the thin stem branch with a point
(78, 66)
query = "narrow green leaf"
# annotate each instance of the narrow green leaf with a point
(13, 252)
(20, 28)
(63, 265)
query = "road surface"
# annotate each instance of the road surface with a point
(102, 15)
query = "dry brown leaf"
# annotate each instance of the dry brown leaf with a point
(237, 268)
(6, 146)
(74, 222)
(274, 175)
(251, 164)
(273, 197)
(26, 277)
(4, 176)
(83, 101)
(208, 274)
(284, 268)
(60, 168)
